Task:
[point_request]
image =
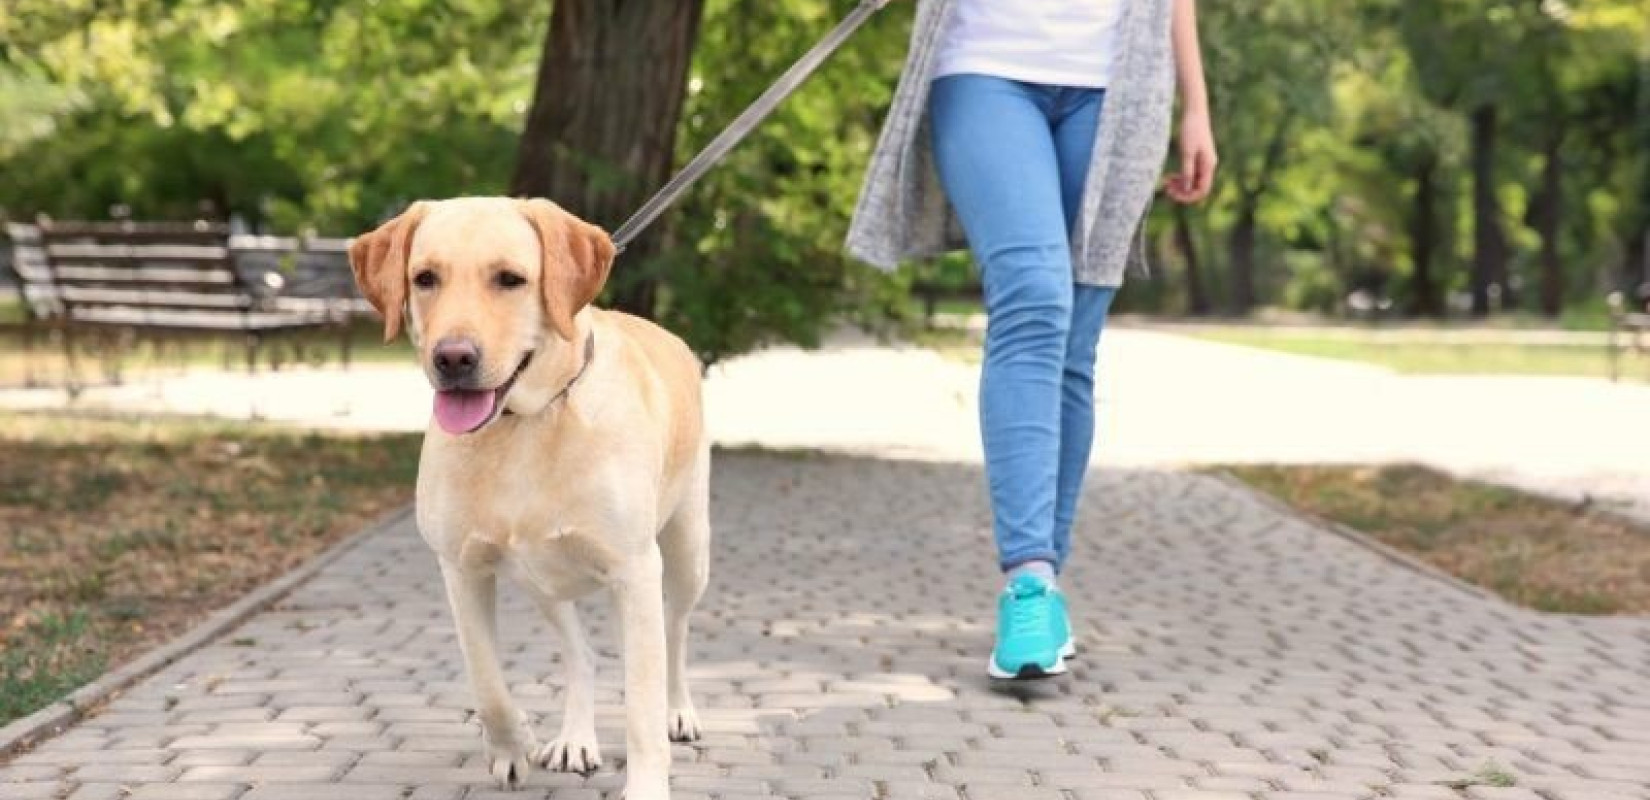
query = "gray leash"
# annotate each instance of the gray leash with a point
(744, 123)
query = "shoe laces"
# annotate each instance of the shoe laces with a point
(1028, 610)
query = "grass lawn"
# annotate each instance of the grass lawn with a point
(1424, 357)
(1535, 552)
(116, 535)
(955, 343)
(45, 362)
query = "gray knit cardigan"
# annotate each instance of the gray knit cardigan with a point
(902, 211)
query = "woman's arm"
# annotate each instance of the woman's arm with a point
(1197, 139)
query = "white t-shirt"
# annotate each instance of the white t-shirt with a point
(1054, 42)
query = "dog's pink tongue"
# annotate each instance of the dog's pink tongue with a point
(462, 412)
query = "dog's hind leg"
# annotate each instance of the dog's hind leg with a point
(575, 749)
(685, 545)
(506, 738)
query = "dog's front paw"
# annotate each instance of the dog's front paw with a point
(571, 752)
(684, 724)
(508, 751)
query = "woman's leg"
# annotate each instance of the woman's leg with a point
(1075, 125)
(1088, 316)
(995, 152)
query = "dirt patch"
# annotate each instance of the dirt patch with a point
(116, 535)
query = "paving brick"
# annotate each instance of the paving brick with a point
(76, 757)
(33, 790)
(416, 758)
(331, 729)
(435, 793)
(1107, 794)
(419, 714)
(918, 790)
(325, 714)
(260, 774)
(1231, 784)
(99, 791)
(124, 773)
(1199, 794)
(1112, 780)
(1501, 793)
(187, 791)
(1424, 791)
(341, 791)
(442, 744)
(997, 791)
(810, 786)
(364, 744)
(382, 773)
(288, 741)
(217, 715)
(305, 758)
(20, 773)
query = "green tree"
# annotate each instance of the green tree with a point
(1269, 68)
(290, 113)
(754, 251)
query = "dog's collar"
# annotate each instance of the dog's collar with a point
(589, 356)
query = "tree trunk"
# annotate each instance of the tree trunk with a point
(1197, 297)
(1241, 251)
(1423, 242)
(1241, 240)
(1548, 214)
(1489, 260)
(601, 133)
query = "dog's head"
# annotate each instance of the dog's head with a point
(487, 286)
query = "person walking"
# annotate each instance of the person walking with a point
(1034, 133)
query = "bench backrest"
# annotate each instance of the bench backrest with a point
(142, 273)
(31, 272)
(306, 267)
(179, 275)
(308, 272)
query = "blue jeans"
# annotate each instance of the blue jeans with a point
(1013, 157)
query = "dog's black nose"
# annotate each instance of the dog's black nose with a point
(456, 359)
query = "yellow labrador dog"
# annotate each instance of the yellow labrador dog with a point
(566, 450)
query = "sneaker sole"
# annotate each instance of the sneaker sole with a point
(1069, 650)
(1027, 672)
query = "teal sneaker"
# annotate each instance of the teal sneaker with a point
(1062, 626)
(1028, 642)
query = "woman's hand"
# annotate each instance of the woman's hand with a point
(1197, 140)
(1197, 159)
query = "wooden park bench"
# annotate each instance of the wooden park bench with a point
(1629, 326)
(100, 286)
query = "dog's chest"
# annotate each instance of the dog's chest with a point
(559, 542)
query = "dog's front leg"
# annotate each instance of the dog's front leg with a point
(640, 601)
(575, 750)
(506, 737)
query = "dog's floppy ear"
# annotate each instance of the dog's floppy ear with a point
(379, 260)
(577, 258)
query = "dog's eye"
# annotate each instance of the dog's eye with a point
(425, 280)
(509, 280)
